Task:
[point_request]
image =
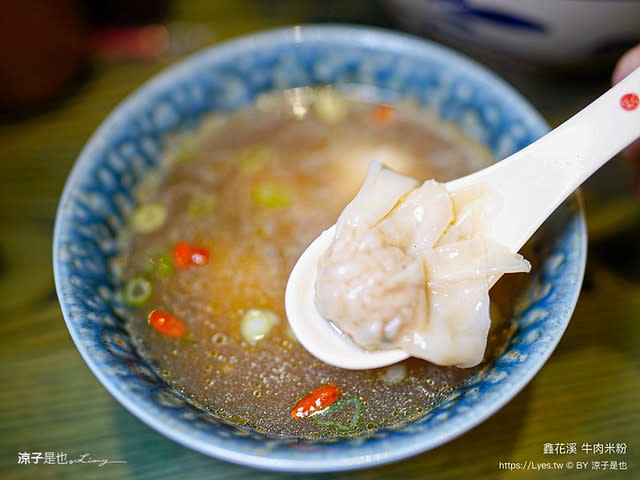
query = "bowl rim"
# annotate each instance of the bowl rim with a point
(365, 36)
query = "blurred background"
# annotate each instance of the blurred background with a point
(65, 64)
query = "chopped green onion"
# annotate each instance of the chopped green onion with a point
(339, 405)
(330, 106)
(271, 195)
(201, 204)
(161, 265)
(256, 324)
(394, 374)
(255, 158)
(149, 217)
(136, 291)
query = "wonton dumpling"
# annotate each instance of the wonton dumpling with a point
(410, 268)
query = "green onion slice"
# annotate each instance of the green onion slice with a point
(149, 217)
(339, 405)
(256, 324)
(395, 374)
(137, 291)
(330, 106)
(161, 266)
(271, 195)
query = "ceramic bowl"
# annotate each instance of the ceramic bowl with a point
(98, 196)
(543, 32)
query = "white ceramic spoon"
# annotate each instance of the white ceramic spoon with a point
(531, 182)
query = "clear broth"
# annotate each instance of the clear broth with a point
(318, 166)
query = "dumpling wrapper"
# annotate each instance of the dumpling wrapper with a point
(410, 268)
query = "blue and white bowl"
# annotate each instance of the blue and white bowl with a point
(98, 196)
(551, 32)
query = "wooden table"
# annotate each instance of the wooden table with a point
(587, 393)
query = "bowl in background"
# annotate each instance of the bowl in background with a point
(548, 32)
(98, 197)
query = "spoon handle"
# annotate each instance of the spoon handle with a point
(535, 180)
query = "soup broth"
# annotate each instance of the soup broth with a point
(242, 198)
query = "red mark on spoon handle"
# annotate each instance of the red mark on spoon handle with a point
(629, 101)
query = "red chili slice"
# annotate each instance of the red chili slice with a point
(321, 398)
(182, 255)
(382, 114)
(185, 255)
(166, 324)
